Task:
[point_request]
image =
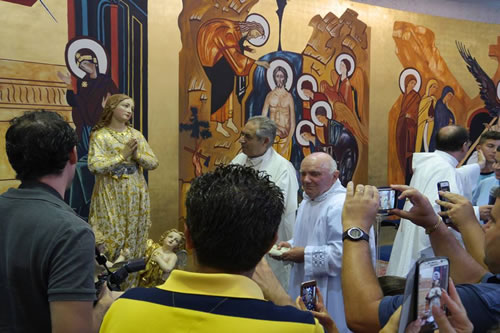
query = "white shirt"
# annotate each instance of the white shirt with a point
(428, 169)
(319, 230)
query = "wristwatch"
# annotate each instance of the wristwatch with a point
(355, 234)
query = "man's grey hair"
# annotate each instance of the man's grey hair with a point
(266, 128)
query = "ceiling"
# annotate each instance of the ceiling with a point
(487, 11)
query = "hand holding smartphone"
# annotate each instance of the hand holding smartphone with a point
(444, 186)
(308, 294)
(424, 286)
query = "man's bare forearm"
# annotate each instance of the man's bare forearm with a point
(360, 287)
(464, 269)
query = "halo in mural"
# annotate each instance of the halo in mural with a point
(347, 57)
(404, 74)
(307, 123)
(498, 90)
(302, 78)
(85, 43)
(257, 18)
(269, 73)
(315, 107)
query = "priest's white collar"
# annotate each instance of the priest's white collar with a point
(255, 162)
(335, 187)
(452, 160)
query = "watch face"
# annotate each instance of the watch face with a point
(355, 233)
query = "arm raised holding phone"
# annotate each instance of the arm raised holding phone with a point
(461, 212)
(464, 268)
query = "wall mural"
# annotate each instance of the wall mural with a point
(431, 97)
(106, 53)
(318, 98)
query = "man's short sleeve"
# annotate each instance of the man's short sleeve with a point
(71, 265)
(387, 307)
(481, 301)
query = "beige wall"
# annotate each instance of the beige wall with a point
(164, 46)
(31, 53)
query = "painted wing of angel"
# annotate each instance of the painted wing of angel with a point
(487, 88)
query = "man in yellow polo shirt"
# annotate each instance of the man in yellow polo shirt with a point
(233, 214)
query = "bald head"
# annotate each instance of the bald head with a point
(451, 138)
(322, 160)
(318, 172)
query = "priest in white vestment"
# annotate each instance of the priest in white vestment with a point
(411, 242)
(316, 248)
(256, 140)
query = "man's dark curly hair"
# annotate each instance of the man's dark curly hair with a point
(38, 143)
(233, 214)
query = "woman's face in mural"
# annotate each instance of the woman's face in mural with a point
(433, 89)
(88, 67)
(123, 112)
(343, 68)
(411, 85)
(448, 97)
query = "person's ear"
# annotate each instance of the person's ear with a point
(275, 240)
(73, 156)
(189, 240)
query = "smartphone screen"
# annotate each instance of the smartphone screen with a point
(445, 187)
(308, 294)
(388, 199)
(432, 278)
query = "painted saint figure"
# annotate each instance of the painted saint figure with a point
(426, 117)
(221, 53)
(406, 127)
(118, 154)
(92, 91)
(342, 91)
(443, 116)
(279, 107)
(312, 97)
(162, 258)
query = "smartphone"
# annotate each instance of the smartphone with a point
(432, 278)
(424, 285)
(308, 294)
(388, 199)
(445, 187)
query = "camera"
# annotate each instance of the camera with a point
(115, 278)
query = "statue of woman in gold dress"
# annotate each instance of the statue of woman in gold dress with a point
(118, 154)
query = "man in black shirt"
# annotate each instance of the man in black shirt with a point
(46, 251)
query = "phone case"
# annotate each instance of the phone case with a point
(308, 294)
(417, 300)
